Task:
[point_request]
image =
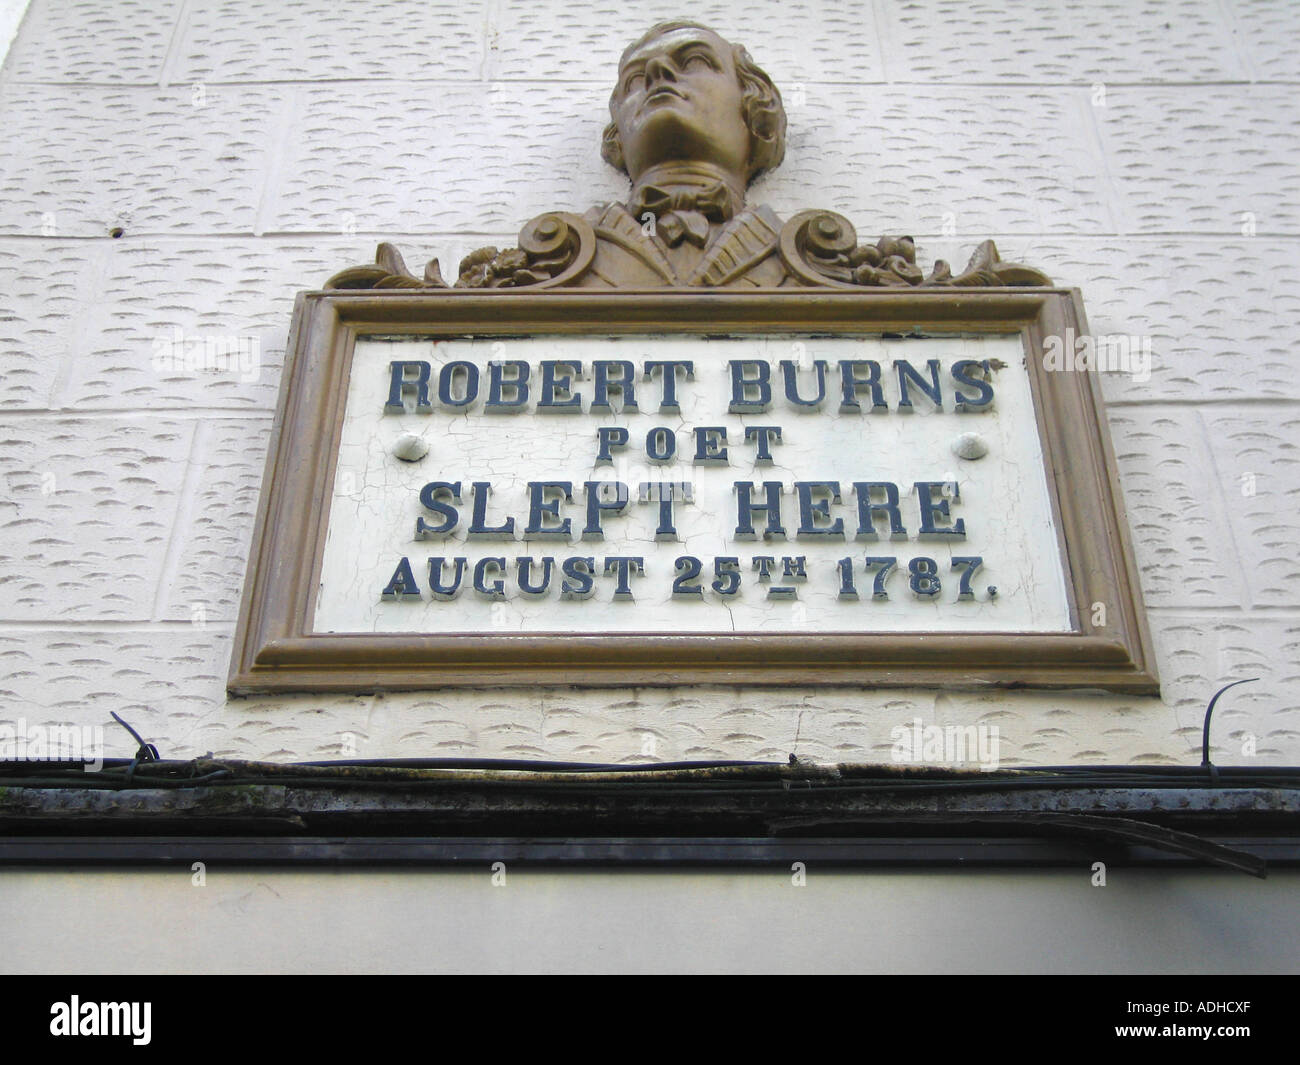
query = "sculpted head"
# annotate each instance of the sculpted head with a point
(686, 95)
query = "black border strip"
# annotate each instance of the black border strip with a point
(610, 851)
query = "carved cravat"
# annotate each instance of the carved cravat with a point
(685, 213)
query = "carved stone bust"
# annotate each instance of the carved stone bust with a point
(693, 120)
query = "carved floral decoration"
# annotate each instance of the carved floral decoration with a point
(821, 246)
(818, 248)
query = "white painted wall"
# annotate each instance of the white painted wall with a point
(11, 14)
(1146, 153)
(539, 920)
(249, 155)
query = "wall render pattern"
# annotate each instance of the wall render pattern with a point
(249, 150)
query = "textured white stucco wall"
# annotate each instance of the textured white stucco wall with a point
(1145, 152)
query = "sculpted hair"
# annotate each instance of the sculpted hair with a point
(760, 104)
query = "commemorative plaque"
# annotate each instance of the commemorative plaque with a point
(679, 439)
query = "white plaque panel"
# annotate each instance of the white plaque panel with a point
(1001, 497)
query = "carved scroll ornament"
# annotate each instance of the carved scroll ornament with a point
(818, 249)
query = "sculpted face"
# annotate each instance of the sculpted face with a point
(679, 98)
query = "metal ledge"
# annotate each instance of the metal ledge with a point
(420, 812)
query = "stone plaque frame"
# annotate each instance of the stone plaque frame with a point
(275, 649)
